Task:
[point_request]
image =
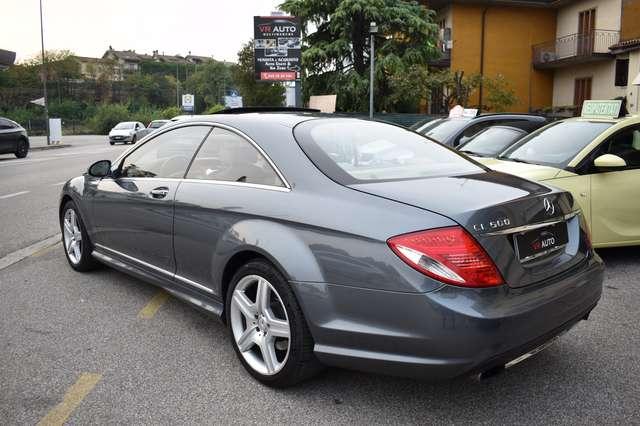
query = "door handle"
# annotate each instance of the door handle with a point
(159, 192)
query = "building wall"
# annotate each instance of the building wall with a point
(509, 34)
(630, 26)
(633, 92)
(607, 15)
(602, 83)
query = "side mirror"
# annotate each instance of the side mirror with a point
(100, 169)
(609, 162)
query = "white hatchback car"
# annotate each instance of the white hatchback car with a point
(125, 132)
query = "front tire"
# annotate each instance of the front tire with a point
(134, 139)
(268, 330)
(75, 240)
(22, 149)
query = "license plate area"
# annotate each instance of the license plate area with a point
(540, 242)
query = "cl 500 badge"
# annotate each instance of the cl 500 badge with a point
(492, 225)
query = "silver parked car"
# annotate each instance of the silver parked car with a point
(152, 127)
(328, 241)
(125, 132)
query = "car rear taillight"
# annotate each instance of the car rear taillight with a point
(449, 255)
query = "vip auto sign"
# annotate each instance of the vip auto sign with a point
(277, 48)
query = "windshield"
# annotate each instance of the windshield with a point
(492, 141)
(557, 144)
(445, 128)
(124, 126)
(359, 151)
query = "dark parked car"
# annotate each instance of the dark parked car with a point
(13, 138)
(491, 141)
(338, 241)
(454, 131)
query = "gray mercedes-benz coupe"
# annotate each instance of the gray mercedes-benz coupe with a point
(328, 241)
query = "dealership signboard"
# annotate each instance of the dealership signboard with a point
(277, 48)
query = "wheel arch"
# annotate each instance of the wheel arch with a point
(275, 243)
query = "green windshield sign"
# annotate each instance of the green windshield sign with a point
(601, 109)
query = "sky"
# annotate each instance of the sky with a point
(215, 28)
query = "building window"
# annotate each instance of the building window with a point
(622, 72)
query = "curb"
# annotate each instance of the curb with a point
(46, 147)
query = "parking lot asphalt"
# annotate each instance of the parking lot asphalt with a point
(103, 348)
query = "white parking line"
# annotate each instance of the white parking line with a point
(15, 194)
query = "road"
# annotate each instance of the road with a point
(30, 187)
(106, 348)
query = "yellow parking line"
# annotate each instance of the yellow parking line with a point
(154, 304)
(74, 396)
(46, 250)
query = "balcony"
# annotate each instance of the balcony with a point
(575, 49)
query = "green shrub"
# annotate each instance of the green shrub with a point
(170, 112)
(107, 116)
(214, 108)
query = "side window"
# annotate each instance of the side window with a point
(625, 144)
(5, 124)
(229, 157)
(165, 156)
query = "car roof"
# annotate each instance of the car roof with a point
(511, 115)
(289, 119)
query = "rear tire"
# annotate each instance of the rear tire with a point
(22, 149)
(260, 327)
(75, 240)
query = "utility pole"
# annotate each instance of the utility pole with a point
(177, 87)
(373, 30)
(44, 78)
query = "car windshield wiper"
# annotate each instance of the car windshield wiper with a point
(477, 154)
(516, 160)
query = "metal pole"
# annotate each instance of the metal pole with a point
(44, 78)
(177, 87)
(371, 77)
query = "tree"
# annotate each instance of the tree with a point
(500, 96)
(455, 87)
(209, 84)
(254, 93)
(336, 53)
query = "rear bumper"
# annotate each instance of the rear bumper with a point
(445, 333)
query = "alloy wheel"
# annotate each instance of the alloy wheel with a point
(72, 236)
(260, 325)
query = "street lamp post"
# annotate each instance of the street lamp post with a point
(373, 30)
(44, 78)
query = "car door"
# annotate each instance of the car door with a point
(7, 137)
(615, 194)
(228, 181)
(133, 211)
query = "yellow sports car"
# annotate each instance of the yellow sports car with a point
(597, 160)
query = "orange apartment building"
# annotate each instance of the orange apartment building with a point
(552, 52)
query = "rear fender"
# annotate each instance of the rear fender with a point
(278, 243)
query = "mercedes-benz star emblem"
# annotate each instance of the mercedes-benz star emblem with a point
(549, 208)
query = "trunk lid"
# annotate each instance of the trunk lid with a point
(506, 214)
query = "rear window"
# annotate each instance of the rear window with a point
(492, 141)
(353, 151)
(445, 128)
